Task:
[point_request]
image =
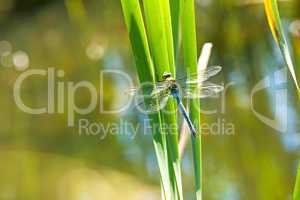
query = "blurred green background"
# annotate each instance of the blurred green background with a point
(42, 158)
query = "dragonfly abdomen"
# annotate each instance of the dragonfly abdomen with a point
(185, 114)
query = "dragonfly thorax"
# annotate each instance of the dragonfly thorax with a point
(173, 87)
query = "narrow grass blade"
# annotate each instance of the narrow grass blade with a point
(271, 9)
(139, 43)
(190, 62)
(169, 34)
(157, 36)
(157, 14)
(272, 12)
(172, 136)
(184, 138)
(296, 195)
(201, 67)
(176, 12)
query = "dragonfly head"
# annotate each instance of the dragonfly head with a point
(167, 75)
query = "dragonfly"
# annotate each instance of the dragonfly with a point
(194, 87)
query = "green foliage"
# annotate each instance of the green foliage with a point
(271, 9)
(157, 15)
(296, 195)
(50, 154)
(190, 62)
(159, 47)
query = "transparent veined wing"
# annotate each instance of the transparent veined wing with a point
(153, 102)
(201, 75)
(209, 72)
(156, 104)
(206, 89)
(148, 89)
(160, 88)
(150, 98)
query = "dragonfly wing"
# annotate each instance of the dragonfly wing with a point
(202, 75)
(147, 89)
(160, 88)
(207, 89)
(211, 71)
(131, 91)
(153, 102)
(210, 90)
(156, 105)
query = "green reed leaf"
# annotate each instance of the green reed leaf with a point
(145, 69)
(190, 62)
(272, 12)
(159, 26)
(176, 12)
(154, 54)
(296, 195)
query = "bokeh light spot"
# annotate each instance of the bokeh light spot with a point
(295, 28)
(95, 51)
(21, 60)
(5, 48)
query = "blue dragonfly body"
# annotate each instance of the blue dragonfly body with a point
(184, 112)
(195, 88)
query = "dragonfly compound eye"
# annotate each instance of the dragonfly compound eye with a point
(167, 75)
